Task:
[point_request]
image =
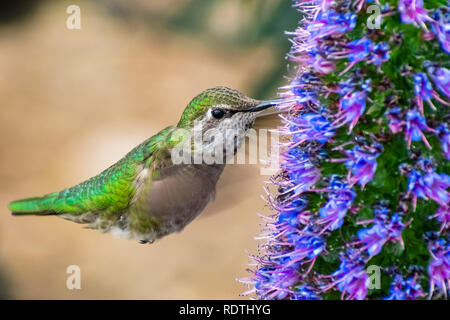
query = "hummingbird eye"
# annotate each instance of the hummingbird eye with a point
(218, 113)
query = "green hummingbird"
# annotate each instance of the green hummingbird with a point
(145, 195)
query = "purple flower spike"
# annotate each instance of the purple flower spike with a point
(351, 107)
(340, 200)
(441, 28)
(401, 289)
(439, 267)
(351, 278)
(414, 126)
(443, 133)
(412, 12)
(382, 231)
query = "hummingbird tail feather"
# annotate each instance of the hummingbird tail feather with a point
(33, 206)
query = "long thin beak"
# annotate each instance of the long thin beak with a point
(263, 105)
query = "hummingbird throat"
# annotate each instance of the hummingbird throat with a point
(212, 143)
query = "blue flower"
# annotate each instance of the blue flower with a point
(430, 185)
(441, 27)
(424, 91)
(443, 133)
(305, 292)
(395, 119)
(330, 22)
(440, 77)
(304, 88)
(351, 107)
(412, 12)
(302, 173)
(443, 216)
(361, 162)
(340, 200)
(351, 278)
(311, 127)
(439, 267)
(401, 289)
(383, 230)
(415, 124)
(380, 54)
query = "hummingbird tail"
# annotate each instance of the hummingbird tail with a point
(33, 206)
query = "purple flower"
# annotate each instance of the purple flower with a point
(356, 51)
(307, 246)
(380, 54)
(439, 267)
(436, 185)
(412, 11)
(382, 231)
(351, 278)
(441, 27)
(322, 65)
(424, 91)
(422, 86)
(310, 127)
(361, 162)
(443, 133)
(395, 119)
(302, 173)
(443, 216)
(414, 125)
(431, 185)
(440, 77)
(401, 289)
(329, 23)
(270, 282)
(351, 107)
(305, 292)
(292, 214)
(340, 200)
(349, 85)
(362, 50)
(303, 88)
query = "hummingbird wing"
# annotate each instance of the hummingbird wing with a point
(234, 177)
(106, 195)
(169, 197)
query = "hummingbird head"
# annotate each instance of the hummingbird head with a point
(225, 111)
(220, 105)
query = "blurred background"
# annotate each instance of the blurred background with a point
(75, 101)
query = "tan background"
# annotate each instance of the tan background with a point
(74, 102)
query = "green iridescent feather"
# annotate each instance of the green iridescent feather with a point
(106, 194)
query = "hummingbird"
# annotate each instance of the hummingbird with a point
(145, 195)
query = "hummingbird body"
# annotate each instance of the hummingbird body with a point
(145, 196)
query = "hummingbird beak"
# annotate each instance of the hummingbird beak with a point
(263, 105)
